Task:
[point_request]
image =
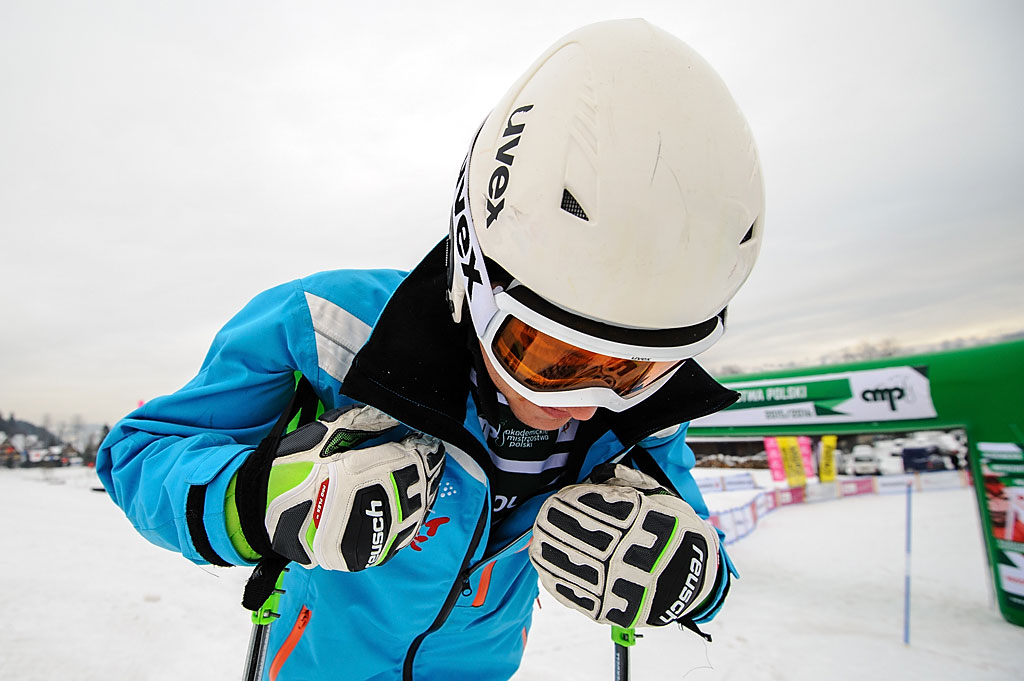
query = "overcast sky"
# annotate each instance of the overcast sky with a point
(161, 163)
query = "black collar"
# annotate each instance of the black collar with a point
(415, 367)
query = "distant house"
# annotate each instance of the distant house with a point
(9, 455)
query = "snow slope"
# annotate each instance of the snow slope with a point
(821, 597)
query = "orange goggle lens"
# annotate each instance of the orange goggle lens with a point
(546, 364)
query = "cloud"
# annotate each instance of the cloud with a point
(161, 164)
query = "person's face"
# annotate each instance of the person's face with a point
(541, 418)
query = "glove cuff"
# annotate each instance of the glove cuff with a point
(254, 475)
(251, 495)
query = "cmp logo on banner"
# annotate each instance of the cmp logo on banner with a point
(889, 394)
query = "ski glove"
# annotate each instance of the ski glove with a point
(623, 550)
(343, 493)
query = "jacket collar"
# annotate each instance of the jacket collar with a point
(415, 367)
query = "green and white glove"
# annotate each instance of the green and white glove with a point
(339, 494)
(625, 551)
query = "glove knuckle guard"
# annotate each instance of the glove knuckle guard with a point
(624, 557)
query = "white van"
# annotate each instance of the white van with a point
(862, 460)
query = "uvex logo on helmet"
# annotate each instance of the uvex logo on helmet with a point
(496, 186)
(500, 176)
(460, 234)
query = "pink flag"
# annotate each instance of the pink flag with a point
(771, 448)
(807, 455)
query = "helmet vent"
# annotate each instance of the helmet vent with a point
(571, 205)
(749, 235)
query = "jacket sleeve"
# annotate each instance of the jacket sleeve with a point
(675, 459)
(168, 463)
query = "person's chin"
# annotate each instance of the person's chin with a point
(544, 418)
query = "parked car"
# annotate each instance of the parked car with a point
(925, 458)
(862, 460)
(948, 443)
(890, 455)
(888, 447)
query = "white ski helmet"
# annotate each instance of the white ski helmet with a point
(618, 185)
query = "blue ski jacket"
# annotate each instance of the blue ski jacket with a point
(457, 603)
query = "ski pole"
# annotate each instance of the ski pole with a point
(257, 655)
(256, 658)
(906, 574)
(624, 640)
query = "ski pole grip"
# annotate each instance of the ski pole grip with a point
(623, 636)
(263, 581)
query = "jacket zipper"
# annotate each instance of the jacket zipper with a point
(473, 569)
(459, 587)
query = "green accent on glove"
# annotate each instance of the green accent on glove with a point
(284, 477)
(310, 533)
(234, 525)
(647, 592)
(675, 528)
(398, 504)
(345, 439)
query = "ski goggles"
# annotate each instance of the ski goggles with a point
(555, 358)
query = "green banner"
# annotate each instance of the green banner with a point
(824, 394)
(890, 394)
(1002, 469)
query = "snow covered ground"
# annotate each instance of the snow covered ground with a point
(821, 598)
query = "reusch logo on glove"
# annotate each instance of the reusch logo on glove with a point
(693, 559)
(376, 514)
(363, 542)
